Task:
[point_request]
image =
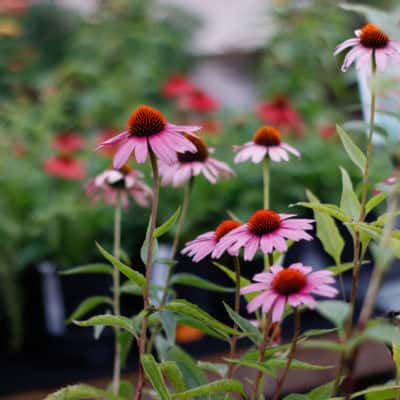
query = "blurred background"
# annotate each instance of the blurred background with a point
(71, 72)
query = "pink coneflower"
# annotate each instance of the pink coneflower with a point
(65, 166)
(177, 85)
(279, 112)
(204, 244)
(188, 165)
(148, 128)
(104, 135)
(68, 142)
(266, 142)
(293, 285)
(370, 40)
(123, 182)
(198, 101)
(265, 230)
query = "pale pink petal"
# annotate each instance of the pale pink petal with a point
(381, 60)
(251, 248)
(183, 128)
(290, 149)
(257, 301)
(254, 287)
(364, 58)
(123, 153)
(263, 277)
(141, 149)
(276, 268)
(269, 301)
(114, 140)
(278, 309)
(347, 43)
(266, 244)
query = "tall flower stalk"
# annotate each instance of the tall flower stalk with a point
(149, 261)
(266, 180)
(116, 294)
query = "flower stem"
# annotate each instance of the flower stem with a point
(116, 295)
(237, 309)
(267, 182)
(263, 347)
(146, 302)
(292, 351)
(185, 204)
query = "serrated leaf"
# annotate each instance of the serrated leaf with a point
(349, 202)
(186, 308)
(174, 375)
(327, 231)
(195, 281)
(352, 150)
(253, 333)
(223, 385)
(97, 268)
(109, 320)
(153, 373)
(130, 273)
(87, 305)
(335, 311)
(164, 228)
(80, 392)
(330, 209)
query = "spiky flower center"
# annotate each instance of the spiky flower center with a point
(263, 222)
(289, 281)
(126, 169)
(267, 136)
(225, 227)
(146, 121)
(373, 38)
(201, 153)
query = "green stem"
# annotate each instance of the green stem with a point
(267, 182)
(116, 295)
(149, 261)
(237, 309)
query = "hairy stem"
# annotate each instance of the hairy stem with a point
(292, 351)
(237, 309)
(149, 261)
(116, 295)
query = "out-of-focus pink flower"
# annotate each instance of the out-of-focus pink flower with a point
(198, 101)
(266, 142)
(14, 6)
(123, 182)
(104, 136)
(293, 285)
(177, 85)
(279, 112)
(149, 129)
(266, 230)
(211, 126)
(190, 164)
(68, 142)
(327, 130)
(65, 166)
(370, 40)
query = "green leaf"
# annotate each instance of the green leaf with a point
(296, 364)
(322, 392)
(383, 332)
(296, 397)
(130, 273)
(80, 392)
(223, 385)
(352, 150)
(129, 287)
(174, 375)
(335, 311)
(374, 202)
(253, 333)
(125, 389)
(396, 358)
(216, 368)
(153, 372)
(264, 367)
(145, 246)
(88, 305)
(110, 320)
(195, 323)
(339, 269)
(195, 281)
(168, 321)
(324, 344)
(97, 268)
(330, 209)
(186, 308)
(125, 340)
(349, 201)
(164, 228)
(377, 390)
(327, 231)
(192, 374)
(318, 332)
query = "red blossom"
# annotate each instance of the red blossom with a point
(14, 7)
(66, 167)
(177, 85)
(68, 142)
(198, 101)
(280, 113)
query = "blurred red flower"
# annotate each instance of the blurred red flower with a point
(14, 6)
(198, 101)
(65, 166)
(68, 142)
(327, 130)
(280, 113)
(211, 126)
(177, 85)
